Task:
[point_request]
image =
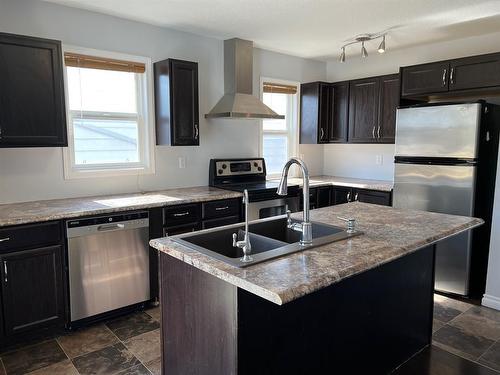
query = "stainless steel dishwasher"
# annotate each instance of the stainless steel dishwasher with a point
(108, 260)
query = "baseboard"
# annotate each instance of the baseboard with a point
(491, 301)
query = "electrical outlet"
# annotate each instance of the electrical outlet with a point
(379, 159)
(182, 162)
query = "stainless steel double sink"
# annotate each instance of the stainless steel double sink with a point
(270, 238)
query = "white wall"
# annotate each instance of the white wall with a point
(37, 173)
(346, 160)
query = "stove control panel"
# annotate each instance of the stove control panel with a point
(239, 167)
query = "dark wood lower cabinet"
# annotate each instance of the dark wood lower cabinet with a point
(325, 196)
(32, 289)
(209, 326)
(373, 197)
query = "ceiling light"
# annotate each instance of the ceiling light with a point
(364, 52)
(342, 55)
(381, 47)
(362, 38)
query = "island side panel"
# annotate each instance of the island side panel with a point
(369, 323)
(198, 321)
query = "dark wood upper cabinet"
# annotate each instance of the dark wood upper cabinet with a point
(339, 116)
(323, 112)
(426, 78)
(389, 101)
(475, 72)
(176, 102)
(363, 110)
(32, 103)
(32, 289)
(315, 99)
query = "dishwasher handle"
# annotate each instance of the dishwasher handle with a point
(105, 227)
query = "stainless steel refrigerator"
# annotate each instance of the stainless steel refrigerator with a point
(438, 149)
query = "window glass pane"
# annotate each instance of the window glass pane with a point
(275, 152)
(101, 141)
(278, 103)
(101, 90)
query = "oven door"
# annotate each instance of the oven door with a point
(274, 207)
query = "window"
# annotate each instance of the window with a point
(109, 108)
(279, 137)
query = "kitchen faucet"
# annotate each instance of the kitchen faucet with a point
(245, 244)
(305, 227)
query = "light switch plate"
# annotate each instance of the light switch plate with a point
(182, 162)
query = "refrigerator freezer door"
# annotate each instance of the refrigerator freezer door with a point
(443, 189)
(446, 131)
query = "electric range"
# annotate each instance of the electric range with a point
(250, 174)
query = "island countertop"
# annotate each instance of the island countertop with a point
(55, 209)
(388, 234)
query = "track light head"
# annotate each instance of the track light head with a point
(381, 47)
(364, 52)
(342, 55)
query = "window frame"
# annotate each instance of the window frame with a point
(292, 118)
(145, 123)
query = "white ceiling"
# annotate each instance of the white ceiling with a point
(311, 28)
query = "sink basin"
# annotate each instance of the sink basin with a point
(270, 238)
(278, 230)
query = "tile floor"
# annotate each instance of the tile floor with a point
(469, 331)
(131, 344)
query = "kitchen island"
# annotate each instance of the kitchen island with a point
(362, 305)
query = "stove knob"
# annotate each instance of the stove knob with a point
(255, 164)
(220, 171)
(224, 166)
(259, 169)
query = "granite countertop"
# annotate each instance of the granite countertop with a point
(55, 209)
(315, 181)
(388, 234)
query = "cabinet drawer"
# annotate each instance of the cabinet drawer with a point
(176, 215)
(228, 207)
(25, 236)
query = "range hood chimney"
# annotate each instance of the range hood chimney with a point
(238, 101)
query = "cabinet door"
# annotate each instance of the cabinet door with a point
(323, 198)
(326, 98)
(475, 72)
(31, 92)
(425, 79)
(363, 110)
(32, 289)
(389, 101)
(372, 196)
(185, 111)
(339, 106)
(341, 195)
(309, 113)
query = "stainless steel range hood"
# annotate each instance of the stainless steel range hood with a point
(238, 101)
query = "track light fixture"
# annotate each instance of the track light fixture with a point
(362, 38)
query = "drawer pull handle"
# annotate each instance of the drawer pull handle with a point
(348, 197)
(356, 197)
(444, 77)
(5, 239)
(181, 214)
(221, 208)
(5, 271)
